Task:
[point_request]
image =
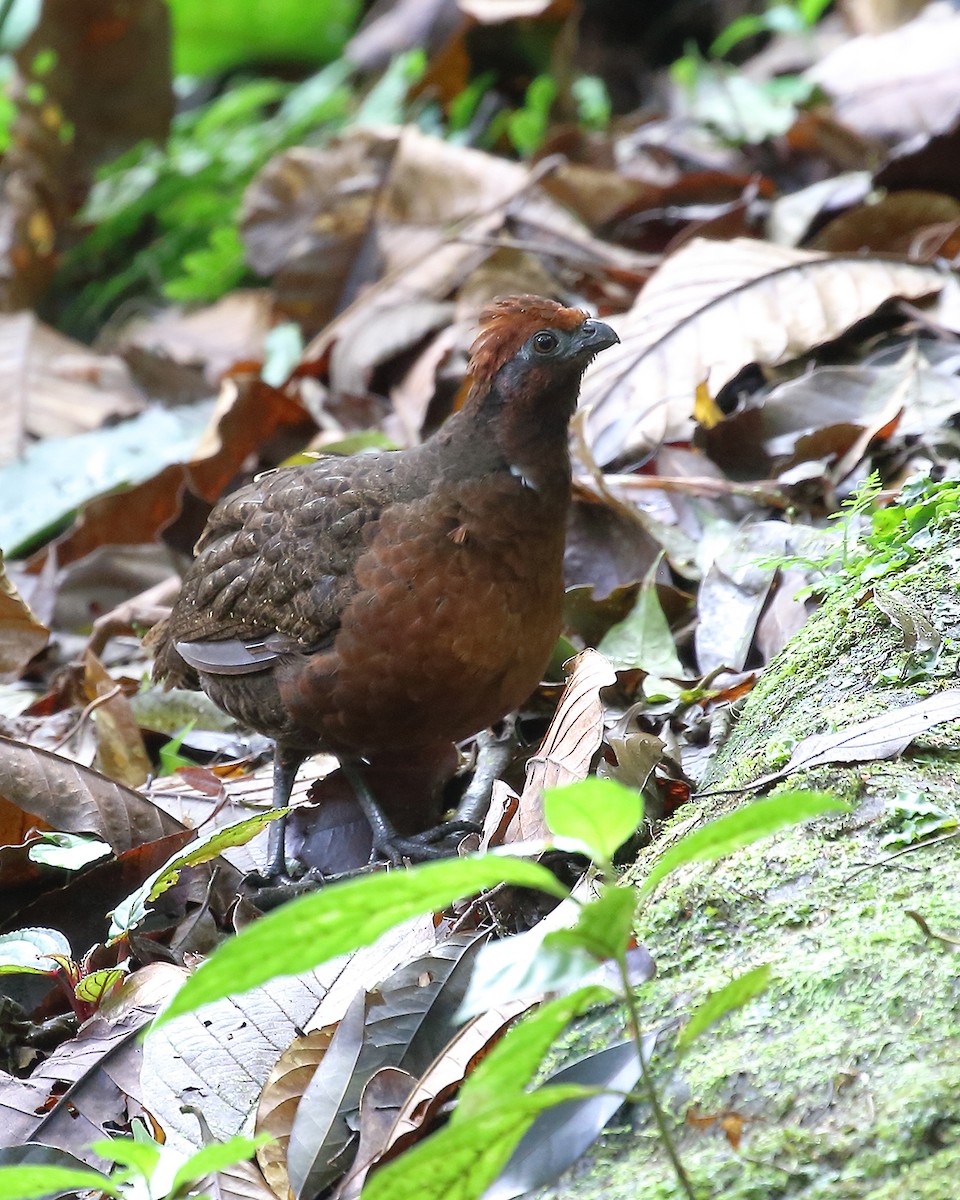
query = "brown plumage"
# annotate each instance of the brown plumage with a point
(386, 605)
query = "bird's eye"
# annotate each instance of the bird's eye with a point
(545, 342)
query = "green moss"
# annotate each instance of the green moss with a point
(847, 1069)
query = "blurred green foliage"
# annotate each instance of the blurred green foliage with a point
(219, 35)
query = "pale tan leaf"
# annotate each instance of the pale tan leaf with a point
(55, 386)
(212, 338)
(495, 11)
(900, 83)
(121, 754)
(21, 634)
(711, 310)
(280, 1098)
(573, 738)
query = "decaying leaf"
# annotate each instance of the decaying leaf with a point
(54, 386)
(711, 310)
(884, 736)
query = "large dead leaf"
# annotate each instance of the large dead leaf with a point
(711, 310)
(900, 83)
(53, 385)
(76, 799)
(222, 1055)
(880, 737)
(82, 1092)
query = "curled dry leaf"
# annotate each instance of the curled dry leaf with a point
(121, 754)
(573, 738)
(21, 634)
(711, 310)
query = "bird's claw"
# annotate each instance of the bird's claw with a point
(422, 847)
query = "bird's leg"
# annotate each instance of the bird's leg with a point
(494, 754)
(286, 764)
(386, 841)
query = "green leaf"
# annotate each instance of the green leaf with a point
(643, 639)
(141, 1156)
(25, 1183)
(462, 1160)
(515, 1059)
(600, 814)
(216, 1157)
(219, 34)
(344, 917)
(523, 967)
(169, 754)
(740, 828)
(130, 912)
(735, 994)
(604, 926)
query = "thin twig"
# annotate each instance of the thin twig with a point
(78, 724)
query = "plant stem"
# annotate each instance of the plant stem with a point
(658, 1114)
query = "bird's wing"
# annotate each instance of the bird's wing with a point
(275, 565)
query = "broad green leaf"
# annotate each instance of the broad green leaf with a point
(600, 814)
(217, 1157)
(342, 918)
(741, 827)
(464, 1158)
(28, 1182)
(735, 994)
(130, 912)
(643, 639)
(220, 34)
(27, 951)
(604, 926)
(142, 1156)
(515, 1059)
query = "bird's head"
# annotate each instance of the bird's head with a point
(526, 365)
(535, 343)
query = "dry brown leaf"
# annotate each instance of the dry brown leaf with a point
(891, 224)
(76, 799)
(212, 338)
(279, 1099)
(21, 634)
(448, 1071)
(54, 386)
(711, 310)
(306, 215)
(573, 738)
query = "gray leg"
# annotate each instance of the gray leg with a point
(286, 764)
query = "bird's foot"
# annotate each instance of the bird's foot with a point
(439, 842)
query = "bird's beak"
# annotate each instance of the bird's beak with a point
(595, 336)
